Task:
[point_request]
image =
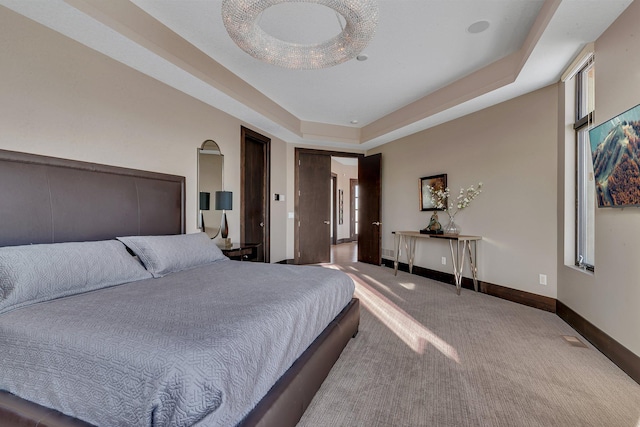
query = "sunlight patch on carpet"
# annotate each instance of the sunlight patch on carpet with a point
(410, 285)
(371, 280)
(405, 327)
(574, 341)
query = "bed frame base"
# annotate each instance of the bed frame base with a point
(283, 406)
(287, 400)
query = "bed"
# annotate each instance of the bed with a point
(151, 365)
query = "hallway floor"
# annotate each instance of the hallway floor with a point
(344, 252)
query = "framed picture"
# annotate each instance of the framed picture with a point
(614, 152)
(435, 181)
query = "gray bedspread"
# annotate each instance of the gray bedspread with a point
(197, 347)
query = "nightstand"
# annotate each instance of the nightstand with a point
(241, 251)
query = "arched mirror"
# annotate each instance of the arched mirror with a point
(210, 169)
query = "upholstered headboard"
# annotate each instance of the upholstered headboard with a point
(51, 200)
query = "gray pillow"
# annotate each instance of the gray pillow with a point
(162, 255)
(36, 273)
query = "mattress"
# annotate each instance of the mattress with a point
(197, 347)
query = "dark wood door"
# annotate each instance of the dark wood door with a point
(369, 212)
(313, 212)
(255, 177)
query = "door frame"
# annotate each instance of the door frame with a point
(246, 133)
(297, 172)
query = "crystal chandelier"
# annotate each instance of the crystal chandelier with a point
(240, 19)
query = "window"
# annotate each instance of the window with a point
(585, 189)
(354, 208)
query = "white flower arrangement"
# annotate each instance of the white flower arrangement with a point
(440, 198)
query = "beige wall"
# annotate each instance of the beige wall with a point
(62, 99)
(511, 148)
(609, 298)
(279, 185)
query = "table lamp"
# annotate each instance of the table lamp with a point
(224, 203)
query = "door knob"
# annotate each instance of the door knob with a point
(262, 224)
(327, 222)
(376, 223)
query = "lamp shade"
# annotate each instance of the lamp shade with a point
(205, 199)
(224, 200)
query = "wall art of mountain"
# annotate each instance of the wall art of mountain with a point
(615, 149)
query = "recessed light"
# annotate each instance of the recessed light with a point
(354, 122)
(362, 57)
(478, 27)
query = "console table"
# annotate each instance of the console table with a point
(462, 243)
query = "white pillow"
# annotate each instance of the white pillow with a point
(36, 273)
(162, 255)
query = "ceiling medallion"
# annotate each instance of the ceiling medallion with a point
(240, 19)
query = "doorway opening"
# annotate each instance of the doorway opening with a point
(328, 212)
(344, 238)
(344, 200)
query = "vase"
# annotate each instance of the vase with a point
(452, 227)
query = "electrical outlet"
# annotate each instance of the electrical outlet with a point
(444, 260)
(543, 279)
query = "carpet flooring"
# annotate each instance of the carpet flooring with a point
(425, 356)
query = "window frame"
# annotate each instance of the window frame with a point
(584, 113)
(353, 208)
